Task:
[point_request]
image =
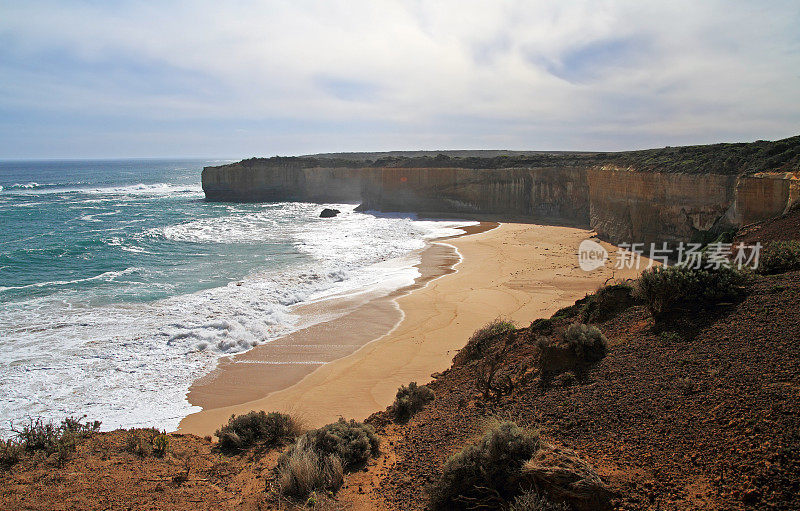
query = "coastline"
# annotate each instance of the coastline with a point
(519, 271)
(358, 319)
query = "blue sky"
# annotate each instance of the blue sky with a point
(237, 79)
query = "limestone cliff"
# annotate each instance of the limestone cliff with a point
(625, 197)
(656, 207)
(242, 183)
(543, 194)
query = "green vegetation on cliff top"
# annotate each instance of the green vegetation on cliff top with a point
(739, 158)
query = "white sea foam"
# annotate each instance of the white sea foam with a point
(146, 189)
(130, 364)
(93, 217)
(107, 276)
(232, 229)
(24, 186)
(140, 189)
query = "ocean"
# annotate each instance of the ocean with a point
(120, 285)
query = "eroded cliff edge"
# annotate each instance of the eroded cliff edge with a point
(668, 194)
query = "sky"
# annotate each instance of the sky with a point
(104, 79)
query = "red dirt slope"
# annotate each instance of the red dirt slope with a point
(701, 414)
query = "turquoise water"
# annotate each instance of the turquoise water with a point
(96, 229)
(120, 284)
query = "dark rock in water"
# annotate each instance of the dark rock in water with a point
(329, 213)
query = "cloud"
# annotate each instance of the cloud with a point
(309, 76)
(349, 89)
(599, 58)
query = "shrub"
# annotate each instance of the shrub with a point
(599, 306)
(495, 379)
(77, 427)
(410, 400)
(354, 443)
(319, 458)
(571, 311)
(542, 326)
(667, 289)
(303, 471)
(10, 452)
(485, 474)
(480, 341)
(160, 445)
(38, 435)
(65, 447)
(145, 442)
(137, 444)
(244, 431)
(586, 342)
(140, 441)
(668, 336)
(606, 302)
(580, 346)
(780, 257)
(532, 501)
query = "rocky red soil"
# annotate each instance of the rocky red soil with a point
(701, 413)
(783, 228)
(102, 475)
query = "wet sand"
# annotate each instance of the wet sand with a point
(287, 360)
(353, 365)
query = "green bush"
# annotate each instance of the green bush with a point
(485, 474)
(532, 501)
(780, 257)
(570, 311)
(135, 443)
(244, 431)
(542, 326)
(145, 442)
(354, 443)
(606, 302)
(410, 400)
(586, 342)
(667, 289)
(319, 458)
(599, 306)
(38, 435)
(76, 426)
(303, 471)
(10, 452)
(480, 341)
(160, 445)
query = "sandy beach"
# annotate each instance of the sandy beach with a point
(352, 366)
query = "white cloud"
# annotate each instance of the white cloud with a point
(389, 73)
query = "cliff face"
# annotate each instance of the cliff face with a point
(559, 194)
(653, 207)
(621, 205)
(758, 197)
(241, 183)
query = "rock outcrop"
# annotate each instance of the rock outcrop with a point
(329, 213)
(239, 182)
(562, 474)
(636, 197)
(622, 206)
(541, 194)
